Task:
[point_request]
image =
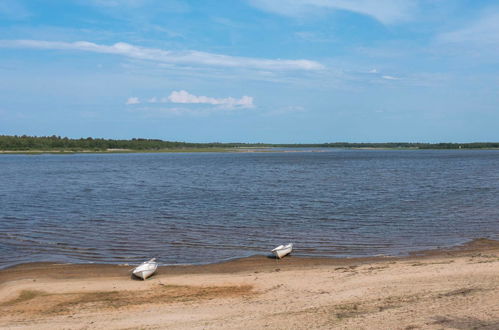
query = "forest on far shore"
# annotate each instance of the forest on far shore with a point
(57, 143)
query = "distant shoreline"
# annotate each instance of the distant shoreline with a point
(212, 150)
(131, 151)
(59, 145)
(116, 151)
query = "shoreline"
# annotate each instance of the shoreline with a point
(241, 264)
(469, 245)
(455, 287)
(168, 151)
(222, 150)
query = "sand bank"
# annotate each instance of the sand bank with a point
(452, 289)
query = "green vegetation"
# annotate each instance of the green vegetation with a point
(64, 144)
(54, 143)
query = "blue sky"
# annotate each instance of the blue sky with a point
(280, 71)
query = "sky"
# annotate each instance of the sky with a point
(275, 71)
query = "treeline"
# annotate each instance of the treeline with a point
(57, 143)
(26, 143)
(409, 145)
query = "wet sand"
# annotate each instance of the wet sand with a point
(456, 288)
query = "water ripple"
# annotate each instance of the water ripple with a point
(198, 208)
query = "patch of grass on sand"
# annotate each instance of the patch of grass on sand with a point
(24, 296)
(459, 292)
(432, 263)
(61, 303)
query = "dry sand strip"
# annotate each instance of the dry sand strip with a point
(443, 289)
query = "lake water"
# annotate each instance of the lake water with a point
(209, 207)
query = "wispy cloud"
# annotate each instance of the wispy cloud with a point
(189, 57)
(229, 102)
(483, 31)
(385, 11)
(390, 77)
(133, 100)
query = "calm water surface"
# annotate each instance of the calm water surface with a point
(208, 207)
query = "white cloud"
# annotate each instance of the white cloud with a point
(229, 102)
(390, 78)
(133, 100)
(189, 57)
(385, 11)
(152, 100)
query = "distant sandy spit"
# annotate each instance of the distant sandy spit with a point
(454, 288)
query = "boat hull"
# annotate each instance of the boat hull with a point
(282, 250)
(146, 269)
(144, 274)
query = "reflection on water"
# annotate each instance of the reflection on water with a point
(191, 208)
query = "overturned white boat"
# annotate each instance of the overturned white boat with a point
(146, 269)
(282, 250)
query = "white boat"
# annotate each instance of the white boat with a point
(146, 269)
(282, 250)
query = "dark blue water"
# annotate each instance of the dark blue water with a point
(208, 207)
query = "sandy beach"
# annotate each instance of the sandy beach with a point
(454, 288)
